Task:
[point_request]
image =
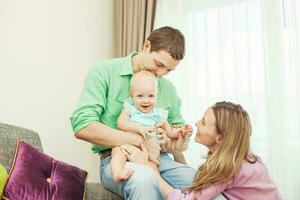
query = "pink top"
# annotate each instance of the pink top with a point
(251, 182)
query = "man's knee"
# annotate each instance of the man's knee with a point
(142, 185)
(142, 176)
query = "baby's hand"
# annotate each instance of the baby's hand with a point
(145, 131)
(189, 130)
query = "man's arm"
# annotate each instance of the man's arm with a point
(103, 135)
(165, 188)
(93, 101)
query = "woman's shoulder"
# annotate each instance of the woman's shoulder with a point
(252, 166)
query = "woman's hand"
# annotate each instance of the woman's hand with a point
(134, 154)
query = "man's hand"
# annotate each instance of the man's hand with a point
(134, 154)
(138, 156)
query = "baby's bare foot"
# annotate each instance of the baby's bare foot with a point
(124, 174)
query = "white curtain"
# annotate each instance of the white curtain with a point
(247, 52)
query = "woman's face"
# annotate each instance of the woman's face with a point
(207, 132)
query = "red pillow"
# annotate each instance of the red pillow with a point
(35, 175)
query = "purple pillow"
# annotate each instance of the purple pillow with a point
(35, 175)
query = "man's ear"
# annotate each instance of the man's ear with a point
(147, 45)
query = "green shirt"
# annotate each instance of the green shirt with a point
(106, 87)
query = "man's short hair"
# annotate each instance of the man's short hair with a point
(168, 39)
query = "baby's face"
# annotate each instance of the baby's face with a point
(144, 96)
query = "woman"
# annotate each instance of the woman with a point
(230, 168)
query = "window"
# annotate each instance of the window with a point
(247, 52)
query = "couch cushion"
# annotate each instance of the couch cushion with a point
(3, 179)
(35, 175)
(9, 137)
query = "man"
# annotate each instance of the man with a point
(106, 87)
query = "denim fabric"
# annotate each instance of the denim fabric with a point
(143, 185)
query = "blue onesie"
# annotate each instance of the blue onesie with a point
(146, 120)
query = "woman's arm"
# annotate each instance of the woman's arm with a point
(165, 188)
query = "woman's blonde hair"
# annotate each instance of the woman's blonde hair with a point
(233, 124)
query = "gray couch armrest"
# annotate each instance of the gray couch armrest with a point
(95, 191)
(9, 137)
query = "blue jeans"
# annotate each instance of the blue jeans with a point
(143, 185)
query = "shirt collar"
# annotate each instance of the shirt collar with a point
(127, 64)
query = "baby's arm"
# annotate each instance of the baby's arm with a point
(124, 124)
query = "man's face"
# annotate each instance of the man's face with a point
(159, 63)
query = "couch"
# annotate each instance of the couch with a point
(9, 136)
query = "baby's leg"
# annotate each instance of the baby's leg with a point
(183, 130)
(153, 148)
(172, 132)
(175, 132)
(118, 160)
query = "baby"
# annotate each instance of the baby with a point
(140, 116)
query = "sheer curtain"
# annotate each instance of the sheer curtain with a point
(245, 52)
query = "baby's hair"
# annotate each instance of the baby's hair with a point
(141, 75)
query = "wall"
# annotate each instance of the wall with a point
(46, 49)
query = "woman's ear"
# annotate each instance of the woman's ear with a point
(219, 139)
